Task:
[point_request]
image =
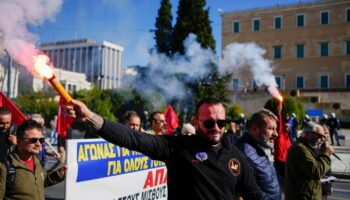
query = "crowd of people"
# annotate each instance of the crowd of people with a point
(214, 163)
(22, 170)
(208, 158)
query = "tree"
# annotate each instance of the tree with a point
(192, 18)
(99, 101)
(164, 28)
(134, 101)
(211, 85)
(233, 111)
(38, 103)
(290, 105)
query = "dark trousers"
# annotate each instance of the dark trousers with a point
(293, 135)
(335, 133)
(280, 167)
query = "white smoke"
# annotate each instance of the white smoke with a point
(194, 64)
(161, 70)
(236, 56)
(15, 16)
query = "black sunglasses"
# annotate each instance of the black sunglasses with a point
(318, 135)
(34, 140)
(210, 123)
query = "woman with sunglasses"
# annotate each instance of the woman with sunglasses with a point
(29, 177)
(201, 166)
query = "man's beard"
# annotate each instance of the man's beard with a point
(315, 145)
(262, 140)
(205, 137)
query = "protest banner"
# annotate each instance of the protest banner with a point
(98, 169)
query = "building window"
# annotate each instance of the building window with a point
(278, 22)
(300, 50)
(324, 83)
(347, 81)
(347, 48)
(300, 82)
(348, 14)
(235, 84)
(256, 25)
(300, 20)
(277, 52)
(324, 48)
(278, 81)
(236, 26)
(324, 17)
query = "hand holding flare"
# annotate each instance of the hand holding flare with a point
(45, 71)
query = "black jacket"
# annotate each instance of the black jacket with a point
(194, 170)
(5, 145)
(266, 176)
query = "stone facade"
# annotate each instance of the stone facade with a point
(308, 42)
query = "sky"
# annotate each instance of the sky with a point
(128, 23)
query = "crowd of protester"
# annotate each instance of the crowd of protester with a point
(301, 153)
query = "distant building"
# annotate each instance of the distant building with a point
(309, 43)
(8, 78)
(71, 81)
(101, 62)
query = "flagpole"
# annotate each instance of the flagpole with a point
(53, 149)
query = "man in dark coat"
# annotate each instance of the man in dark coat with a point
(261, 130)
(306, 166)
(201, 166)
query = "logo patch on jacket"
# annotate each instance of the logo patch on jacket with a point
(201, 156)
(235, 166)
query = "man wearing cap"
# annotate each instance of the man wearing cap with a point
(334, 126)
(306, 119)
(307, 163)
(293, 125)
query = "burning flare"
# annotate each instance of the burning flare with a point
(41, 66)
(279, 97)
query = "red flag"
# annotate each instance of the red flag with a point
(63, 121)
(172, 121)
(17, 116)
